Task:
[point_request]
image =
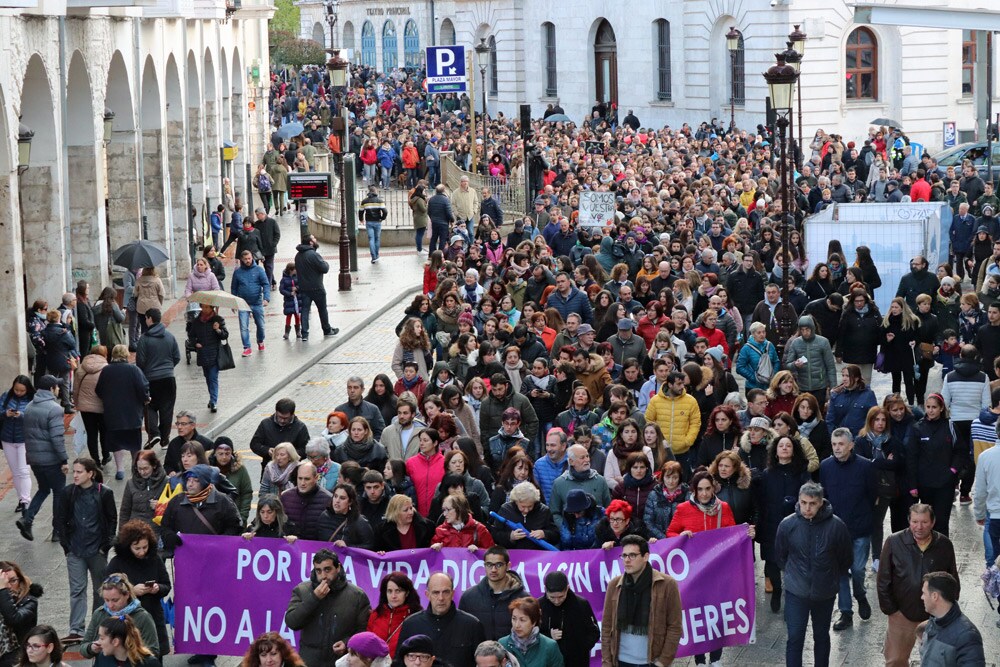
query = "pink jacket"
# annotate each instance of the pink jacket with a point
(199, 282)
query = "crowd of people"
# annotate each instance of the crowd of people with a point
(599, 387)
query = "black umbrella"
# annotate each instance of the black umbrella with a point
(140, 255)
(888, 122)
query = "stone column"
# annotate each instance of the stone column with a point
(180, 216)
(239, 178)
(213, 175)
(87, 219)
(14, 351)
(42, 229)
(154, 205)
(196, 156)
(123, 192)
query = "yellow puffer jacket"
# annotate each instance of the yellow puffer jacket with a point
(679, 418)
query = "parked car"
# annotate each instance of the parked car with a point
(972, 150)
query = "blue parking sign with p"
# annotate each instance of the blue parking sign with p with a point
(446, 69)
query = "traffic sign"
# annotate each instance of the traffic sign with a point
(446, 69)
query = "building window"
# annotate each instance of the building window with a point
(737, 74)
(662, 27)
(968, 62)
(549, 35)
(494, 80)
(368, 44)
(411, 45)
(861, 65)
(390, 52)
(349, 35)
(447, 33)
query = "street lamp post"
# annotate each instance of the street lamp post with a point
(482, 52)
(798, 39)
(793, 60)
(337, 67)
(733, 44)
(781, 79)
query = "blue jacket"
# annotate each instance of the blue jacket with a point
(849, 409)
(249, 283)
(386, 158)
(290, 307)
(546, 472)
(963, 230)
(584, 533)
(851, 489)
(577, 302)
(13, 427)
(749, 357)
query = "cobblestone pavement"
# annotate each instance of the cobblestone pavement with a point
(320, 387)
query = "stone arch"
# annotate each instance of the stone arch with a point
(13, 355)
(210, 137)
(349, 36)
(155, 223)
(40, 189)
(447, 33)
(195, 132)
(319, 33)
(122, 180)
(176, 143)
(87, 219)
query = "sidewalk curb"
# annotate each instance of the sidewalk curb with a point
(218, 429)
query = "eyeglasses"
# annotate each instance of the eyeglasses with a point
(114, 579)
(616, 519)
(183, 423)
(34, 647)
(494, 566)
(416, 658)
(631, 556)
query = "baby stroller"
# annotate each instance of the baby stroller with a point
(189, 344)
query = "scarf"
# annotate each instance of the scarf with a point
(324, 469)
(537, 382)
(633, 483)
(621, 450)
(579, 476)
(805, 428)
(577, 417)
(122, 613)
(634, 603)
(671, 496)
(280, 477)
(200, 497)
(357, 451)
(711, 508)
(410, 384)
(473, 402)
(878, 440)
(514, 373)
(862, 311)
(523, 645)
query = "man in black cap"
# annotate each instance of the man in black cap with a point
(892, 192)
(518, 235)
(568, 619)
(626, 345)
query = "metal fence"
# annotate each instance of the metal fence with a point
(509, 191)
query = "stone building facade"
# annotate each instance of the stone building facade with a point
(668, 61)
(180, 78)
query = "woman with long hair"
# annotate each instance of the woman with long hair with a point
(361, 446)
(142, 489)
(18, 610)
(785, 424)
(625, 442)
(271, 521)
(820, 283)
(722, 434)
(271, 650)
(382, 396)
(811, 425)
(397, 599)
(41, 648)
(414, 345)
(898, 345)
(662, 501)
(850, 401)
(89, 404)
(124, 391)
(208, 331)
(876, 443)
(933, 455)
(652, 437)
(781, 393)
(342, 524)
(13, 403)
(517, 467)
(136, 557)
(109, 318)
(732, 479)
(863, 260)
(778, 486)
(636, 485)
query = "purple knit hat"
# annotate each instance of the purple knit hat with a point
(368, 645)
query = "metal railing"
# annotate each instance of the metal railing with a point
(509, 191)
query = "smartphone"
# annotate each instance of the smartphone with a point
(150, 584)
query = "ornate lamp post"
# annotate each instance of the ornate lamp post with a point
(793, 60)
(482, 53)
(337, 67)
(798, 39)
(781, 79)
(24, 136)
(733, 44)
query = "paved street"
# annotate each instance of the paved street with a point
(316, 380)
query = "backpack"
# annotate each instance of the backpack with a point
(36, 332)
(263, 182)
(765, 369)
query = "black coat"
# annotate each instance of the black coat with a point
(539, 518)
(218, 509)
(827, 321)
(20, 615)
(455, 634)
(310, 267)
(106, 521)
(915, 283)
(387, 537)
(813, 553)
(898, 353)
(139, 571)
(270, 433)
(932, 450)
(576, 619)
(60, 345)
(777, 491)
(356, 532)
(124, 390)
(859, 336)
(204, 333)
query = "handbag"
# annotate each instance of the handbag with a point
(927, 351)
(166, 494)
(880, 362)
(887, 487)
(225, 359)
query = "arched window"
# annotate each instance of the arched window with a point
(390, 52)
(349, 35)
(662, 36)
(447, 33)
(549, 44)
(319, 34)
(737, 74)
(494, 79)
(861, 65)
(411, 45)
(368, 44)
(968, 61)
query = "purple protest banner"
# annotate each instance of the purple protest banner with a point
(229, 590)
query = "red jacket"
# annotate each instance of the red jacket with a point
(418, 389)
(410, 157)
(920, 190)
(369, 155)
(783, 403)
(430, 279)
(426, 473)
(715, 337)
(687, 516)
(385, 623)
(647, 329)
(472, 532)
